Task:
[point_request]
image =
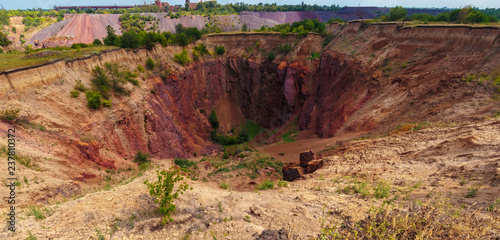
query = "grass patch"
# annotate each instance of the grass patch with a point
(382, 189)
(224, 185)
(15, 59)
(265, 185)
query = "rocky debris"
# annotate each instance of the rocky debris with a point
(256, 211)
(308, 164)
(305, 158)
(268, 234)
(87, 175)
(292, 172)
(314, 165)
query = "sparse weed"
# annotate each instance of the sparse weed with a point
(224, 185)
(382, 189)
(473, 191)
(282, 183)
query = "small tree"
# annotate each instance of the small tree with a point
(397, 13)
(163, 191)
(244, 28)
(10, 114)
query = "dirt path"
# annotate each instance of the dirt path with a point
(292, 150)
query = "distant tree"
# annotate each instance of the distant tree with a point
(4, 41)
(244, 28)
(111, 37)
(97, 42)
(397, 13)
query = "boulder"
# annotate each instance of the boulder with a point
(292, 173)
(314, 165)
(305, 158)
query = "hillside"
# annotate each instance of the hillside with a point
(430, 87)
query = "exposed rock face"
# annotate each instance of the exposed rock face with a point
(305, 158)
(339, 93)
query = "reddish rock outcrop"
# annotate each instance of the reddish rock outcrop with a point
(314, 165)
(305, 158)
(90, 151)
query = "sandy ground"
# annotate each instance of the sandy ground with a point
(446, 160)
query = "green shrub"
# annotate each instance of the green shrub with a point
(79, 86)
(140, 68)
(213, 120)
(220, 49)
(266, 184)
(74, 93)
(202, 49)
(314, 55)
(93, 99)
(163, 191)
(285, 48)
(150, 63)
(271, 56)
(473, 191)
(182, 58)
(184, 163)
(97, 42)
(282, 183)
(141, 157)
(10, 114)
(224, 185)
(196, 55)
(106, 103)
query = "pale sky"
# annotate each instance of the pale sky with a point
(48, 4)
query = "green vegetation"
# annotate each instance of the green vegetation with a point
(224, 185)
(473, 191)
(30, 22)
(240, 134)
(163, 191)
(282, 183)
(16, 59)
(74, 93)
(4, 41)
(150, 63)
(301, 28)
(140, 68)
(31, 236)
(220, 49)
(315, 55)
(93, 99)
(141, 158)
(10, 114)
(432, 219)
(97, 42)
(382, 189)
(467, 15)
(265, 185)
(137, 37)
(182, 58)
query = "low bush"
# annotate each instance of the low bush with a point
(150, 63)
(93, 99)
(220, 49)
(141, 158)
(182, 58)
(266, 184)
(74, 93)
